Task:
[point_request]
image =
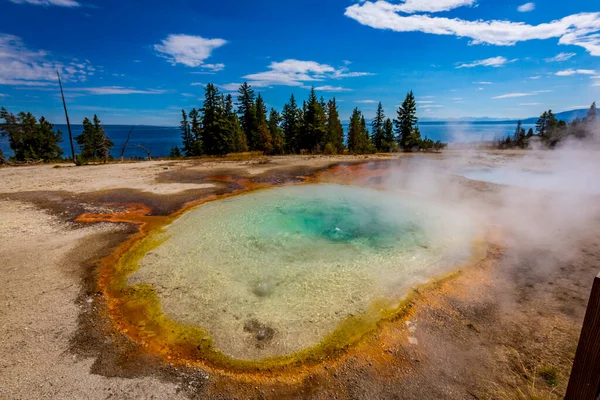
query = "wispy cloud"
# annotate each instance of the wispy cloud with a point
(520, 94)
(366, 101)
(328, 88)
(229, 87)
(571, 72)
(530, 104)
(413, 6)
(535, 77)
(483, 83)
(513, 95)
(560, 57)
(59, 3)
(488, 62)
(577, 29)
(20, 66)
(293, 72)
(527, 7)
(105, 90)
(189, 50)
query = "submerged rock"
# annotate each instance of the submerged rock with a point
(261, 332)
(263, 289)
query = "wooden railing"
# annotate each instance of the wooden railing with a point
(584, 383)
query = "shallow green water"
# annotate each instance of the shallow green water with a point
(273, 272)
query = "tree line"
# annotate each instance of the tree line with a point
(550, 131)
(220, 127)
(33, 140)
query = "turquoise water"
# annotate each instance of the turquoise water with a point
(274, 271)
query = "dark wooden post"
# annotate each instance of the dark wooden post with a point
(584, 383)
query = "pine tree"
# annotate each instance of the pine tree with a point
(366, 144)
(28, 139)
(407, 137)
(591, 114)
(186, 135)
(334, 138)
(214, 134)
(388, 143)
(276, 132)
(313, 124)
(358, 134)
(261, 111)
(175, 152)
(519, 136)
(93, 142)
(291, 126)
(247, 114)
(236, 138)
(195, 128)
(377, 128)
(104, 143)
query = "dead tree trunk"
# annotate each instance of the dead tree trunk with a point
(126, 143)
(146, 150)
(584, 383)
(67, 117)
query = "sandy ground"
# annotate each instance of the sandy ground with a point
(40, 256)
(488, 336)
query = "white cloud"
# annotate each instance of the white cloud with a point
(328, 88)
(296, 73)
(513, 95)
(3, 95)
(535, 77)
(425, 101)
(570, 72)
(429, 106)
(520, 94)
(483, 83)
(526, 7)
(578, 29)
(488, 62)
(229, 87)
(457, 98)
(60, 3)
(188, 95)
(189, 50)
(116, 90)
(412, 6)
(214, 67)
(561, 57)
(365, 101)
(20, 66)
(530, 104)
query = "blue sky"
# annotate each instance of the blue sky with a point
(142, 61)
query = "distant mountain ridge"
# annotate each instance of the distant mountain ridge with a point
(567, 116)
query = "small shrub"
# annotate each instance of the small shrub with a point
(550, 375)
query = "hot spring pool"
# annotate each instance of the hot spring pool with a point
(275, 271)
